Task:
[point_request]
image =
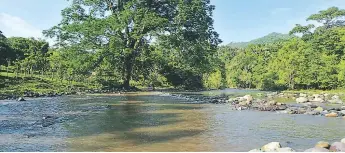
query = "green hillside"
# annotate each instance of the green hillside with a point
(270, 38)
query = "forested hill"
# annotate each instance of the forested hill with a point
(270, 38)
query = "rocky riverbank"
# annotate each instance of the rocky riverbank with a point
(321, 146)
(299, 103)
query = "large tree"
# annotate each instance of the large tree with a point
(124, 29)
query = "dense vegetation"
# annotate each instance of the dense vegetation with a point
(121, 43)
(110, 44)
(268, 39)
(313, 61)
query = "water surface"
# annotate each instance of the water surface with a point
(153, 122)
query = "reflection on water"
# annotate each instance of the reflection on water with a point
(149, 122)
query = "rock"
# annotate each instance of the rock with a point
(323, 144)
(342, 113)
(255, 150)
(272, 102)
(301, 100)
(336, 99)
(273, 146)
(303, 95)
(317, 149)
(312, 113)
(337, 147)
(343, 140)
(285, 149)
(249, 98)
(244, 103)
(331, 114)
(342, 108)
(21, 99)
(319, 109)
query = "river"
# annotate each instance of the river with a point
(150, 121)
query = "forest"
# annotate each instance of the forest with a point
(166, 44)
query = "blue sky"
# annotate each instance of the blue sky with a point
(235, 20)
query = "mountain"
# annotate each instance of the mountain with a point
(270, 38)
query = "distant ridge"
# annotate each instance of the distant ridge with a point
(270, 38)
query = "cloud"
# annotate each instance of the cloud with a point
(13, 26)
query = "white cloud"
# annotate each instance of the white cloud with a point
(13, 26)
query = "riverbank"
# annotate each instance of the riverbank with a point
(321, 146)
(13, 87)
(327, 105)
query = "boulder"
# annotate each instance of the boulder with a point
(272, 102)
(312, 113)
(337, 147)
(317, 149)
(343, 140)
(342, 108)
(331, 114)
(255, 150)
(342, 113)
(285, 149)
(303, 95)
(323, 144)
(244, 103)
(273, 146)
(248, 98)
(336, 99)
(318, 109)
(301, 100)
(21, 99)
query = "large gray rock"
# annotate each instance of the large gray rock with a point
(342, 113)
(336, 99)
(317, 149)
(337, 147)
(342, 108)
(272, 146)
(312, 113)
(317, 98)
(301, 100)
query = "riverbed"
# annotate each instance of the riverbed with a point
(152, 121)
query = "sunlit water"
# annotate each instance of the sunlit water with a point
(151, 122)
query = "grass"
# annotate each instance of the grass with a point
(10, 84)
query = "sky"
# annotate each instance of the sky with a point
(234, 20)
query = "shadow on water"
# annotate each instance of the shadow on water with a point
(133, 121)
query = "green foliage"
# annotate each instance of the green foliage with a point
(314, 61)
(270, 38)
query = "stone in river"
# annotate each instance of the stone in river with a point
(323, 144)
(332, 115)
(273, 146)
(337, 147)
(21, 99)
(301, 100)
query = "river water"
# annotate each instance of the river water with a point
(153, 122)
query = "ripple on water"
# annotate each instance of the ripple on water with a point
(144, 122)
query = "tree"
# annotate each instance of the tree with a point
(125, 28)
(330, 17)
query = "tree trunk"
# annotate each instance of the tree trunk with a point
(128, 73)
